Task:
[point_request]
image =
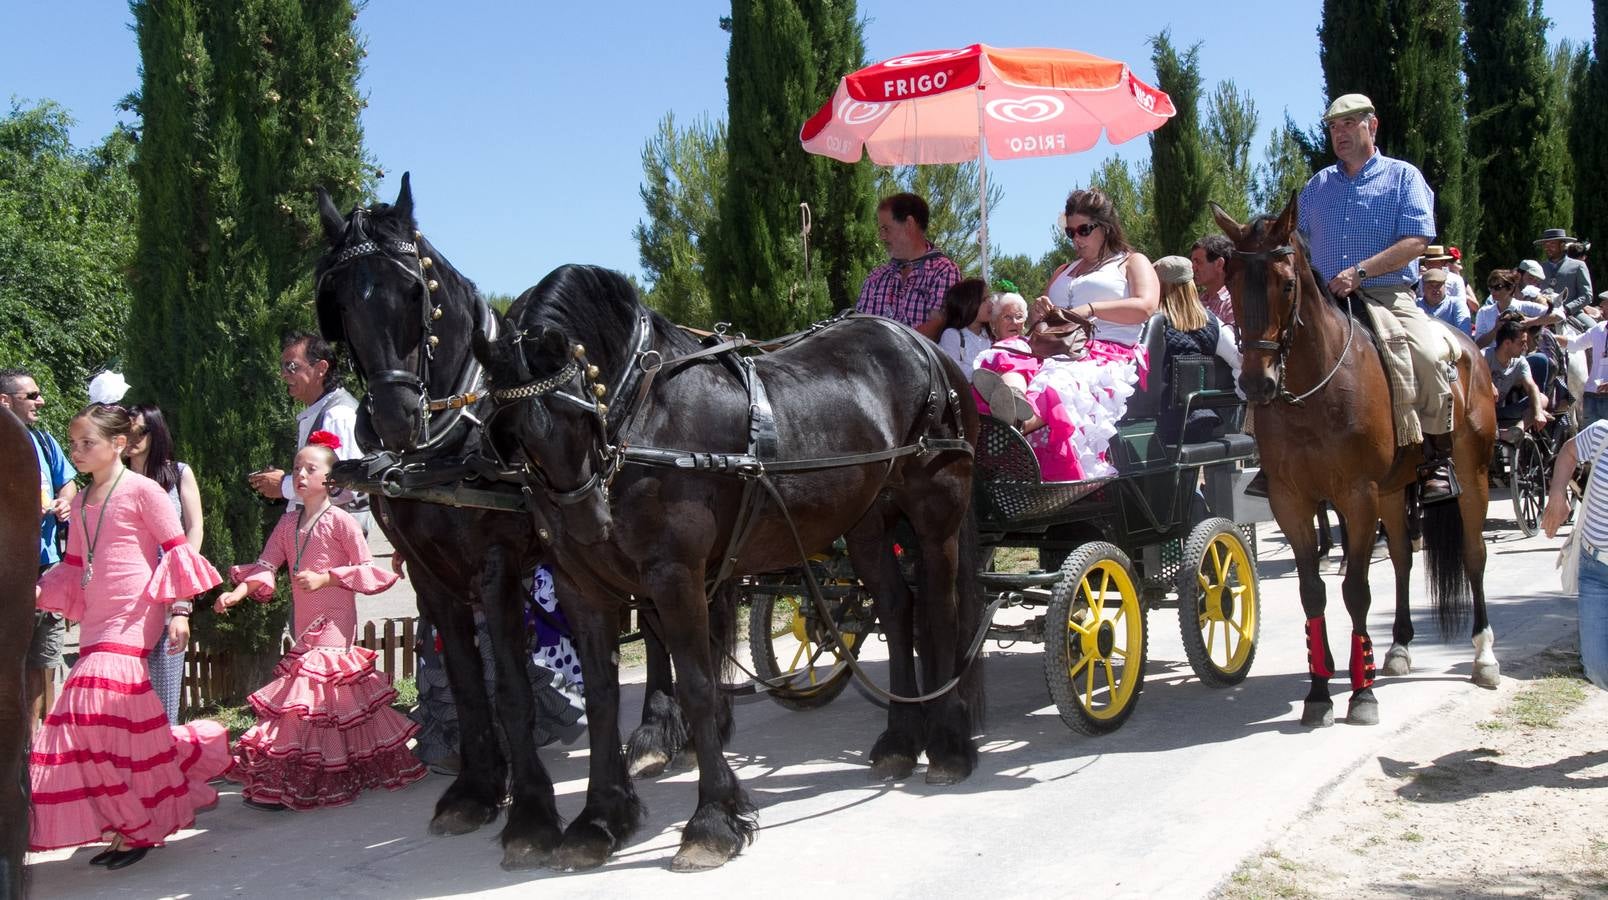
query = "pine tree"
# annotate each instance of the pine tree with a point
(1133, 191)
(684, 173)
(1286, 166)
(1231, 122)
(785, 61)
(246, 107)
(1513, 133)
(1588, 141)
(1178, 160)
(1406, 55)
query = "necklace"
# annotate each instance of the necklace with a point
(303, 535)
(91, 539)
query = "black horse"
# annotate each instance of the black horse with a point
(860, 387)
(406, 316)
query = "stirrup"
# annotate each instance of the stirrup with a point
(1257, 486)
(1429, 491)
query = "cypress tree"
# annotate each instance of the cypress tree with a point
(785, 61)
(1406, 55)
(1183, 181)
(1588, 141)
(1511, 111)
(246, 107)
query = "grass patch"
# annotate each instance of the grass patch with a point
(1412, 837)
(1544, 702)
(1269, 875)
(235, 718)
(407, 694)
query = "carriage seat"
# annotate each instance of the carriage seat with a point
(1148, 438)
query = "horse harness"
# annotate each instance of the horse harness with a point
(1281, 347)
(469, 385)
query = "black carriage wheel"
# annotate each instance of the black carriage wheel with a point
(1095, 640)
(1219, 607)
(1529, 480)
(788, 643)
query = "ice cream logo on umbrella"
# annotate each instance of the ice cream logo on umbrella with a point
(1026, 110)
(855, 112)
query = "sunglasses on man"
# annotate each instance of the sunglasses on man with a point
(30, 395)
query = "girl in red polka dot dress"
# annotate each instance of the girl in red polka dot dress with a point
(325, 727)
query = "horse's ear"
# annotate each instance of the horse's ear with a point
(334, 223)
(1291, 217)
(404, 199)
(554, 343)
(488, 353)
(1234, 230)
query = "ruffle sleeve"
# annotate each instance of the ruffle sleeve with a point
(181, 574)
(61, 589)
(362, 576)
(258, 575)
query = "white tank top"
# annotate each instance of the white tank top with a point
(1108, 282)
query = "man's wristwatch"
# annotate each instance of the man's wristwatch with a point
(1361, 273)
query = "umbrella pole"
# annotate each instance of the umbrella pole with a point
(982, 187)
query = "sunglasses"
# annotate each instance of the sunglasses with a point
(1501, 286)
(290, 368)
(30, 395)
(1084, 230)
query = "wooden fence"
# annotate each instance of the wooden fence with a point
(208, 674)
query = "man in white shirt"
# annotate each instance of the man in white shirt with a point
(307, 366)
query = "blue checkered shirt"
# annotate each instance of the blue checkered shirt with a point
(1348, 220)
(912, 297)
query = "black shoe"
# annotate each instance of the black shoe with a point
(265, 807)
(103, 857)
(1258, 485)
(1437, 483)
(122, 859)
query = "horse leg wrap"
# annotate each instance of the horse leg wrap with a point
(1362, 662)
(1319, 661)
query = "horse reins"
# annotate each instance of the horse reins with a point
(1281, 347)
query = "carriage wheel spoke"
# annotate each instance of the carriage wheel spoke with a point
(1088, 688)
(1079, 667)
(1111, 679)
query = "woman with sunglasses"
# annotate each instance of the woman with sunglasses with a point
(150, 453)
(1504, 286)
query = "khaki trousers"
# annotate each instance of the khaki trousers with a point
(1416, 354)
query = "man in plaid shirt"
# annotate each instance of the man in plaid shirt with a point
(1369, 218)
(910, 286)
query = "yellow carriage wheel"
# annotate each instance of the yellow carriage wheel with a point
(1219, 611)
(1095, 640)
(790, 646)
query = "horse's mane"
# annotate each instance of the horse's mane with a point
(593, 306)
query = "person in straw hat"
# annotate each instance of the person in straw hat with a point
(1438, 256)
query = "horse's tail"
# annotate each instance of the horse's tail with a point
(722, 641)
(968, 592)
(1445, 555)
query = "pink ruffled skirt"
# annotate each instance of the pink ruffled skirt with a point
(107, 761)
(325, 728)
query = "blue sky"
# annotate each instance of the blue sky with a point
(523, 123)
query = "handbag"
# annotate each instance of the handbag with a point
(1060, 333)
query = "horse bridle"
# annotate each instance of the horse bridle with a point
(1281, 348)
(467, 387)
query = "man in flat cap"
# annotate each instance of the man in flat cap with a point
(1369, 218)
(1437, 303)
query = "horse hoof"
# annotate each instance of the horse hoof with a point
(462, 818)
(579, 853)
(525, 855)
(893, 767)
(649, 765)
(1488, 675)
(943, 775)
(1317, 715)
(698, 858)
(1363, 712)
(1398, 662)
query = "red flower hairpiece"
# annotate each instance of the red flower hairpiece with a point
(324, 439)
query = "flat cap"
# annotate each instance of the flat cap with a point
(1348, 105)
(1435, 275)
(1532, 268)
(1175, 270)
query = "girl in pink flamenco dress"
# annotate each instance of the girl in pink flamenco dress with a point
(325, 728)
(106, 761)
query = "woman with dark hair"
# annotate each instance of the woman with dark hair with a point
(150, 453)
(967, 310)
(1109, 282)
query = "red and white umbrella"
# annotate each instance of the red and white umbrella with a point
(945, 106)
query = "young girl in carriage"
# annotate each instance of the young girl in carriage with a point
(106, 761)
(325, 727)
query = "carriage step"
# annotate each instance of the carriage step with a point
(1007, 581)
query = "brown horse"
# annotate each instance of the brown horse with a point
(19, 570)
(1325, 431)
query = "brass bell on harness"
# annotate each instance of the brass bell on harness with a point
(602, 409)
(434, 284)
(599, 390)
(426, 262)
(592, 372)
(434, 341)
(436, 313)
(578, 351)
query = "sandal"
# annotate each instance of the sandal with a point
(1004, 401)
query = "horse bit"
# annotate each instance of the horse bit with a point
(1281, 348)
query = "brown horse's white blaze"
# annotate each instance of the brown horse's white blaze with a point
(1325, 432)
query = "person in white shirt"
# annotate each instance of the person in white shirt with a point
(1503, 285)
(967, 311)
(1595, 344)
(1436, 257)
(307, 366)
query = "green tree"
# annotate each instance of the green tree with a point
(1407, 56)
(244, 108)
(1286, 165)
(1231, 122)
(1588, 139)
(1133, 191)
(684, 173)
(67, 238)
(785, 60)
(1513, 135)
(1178, 158)
(955, 216)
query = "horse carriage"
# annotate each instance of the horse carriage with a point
(1524, 456)
(1163, 532)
